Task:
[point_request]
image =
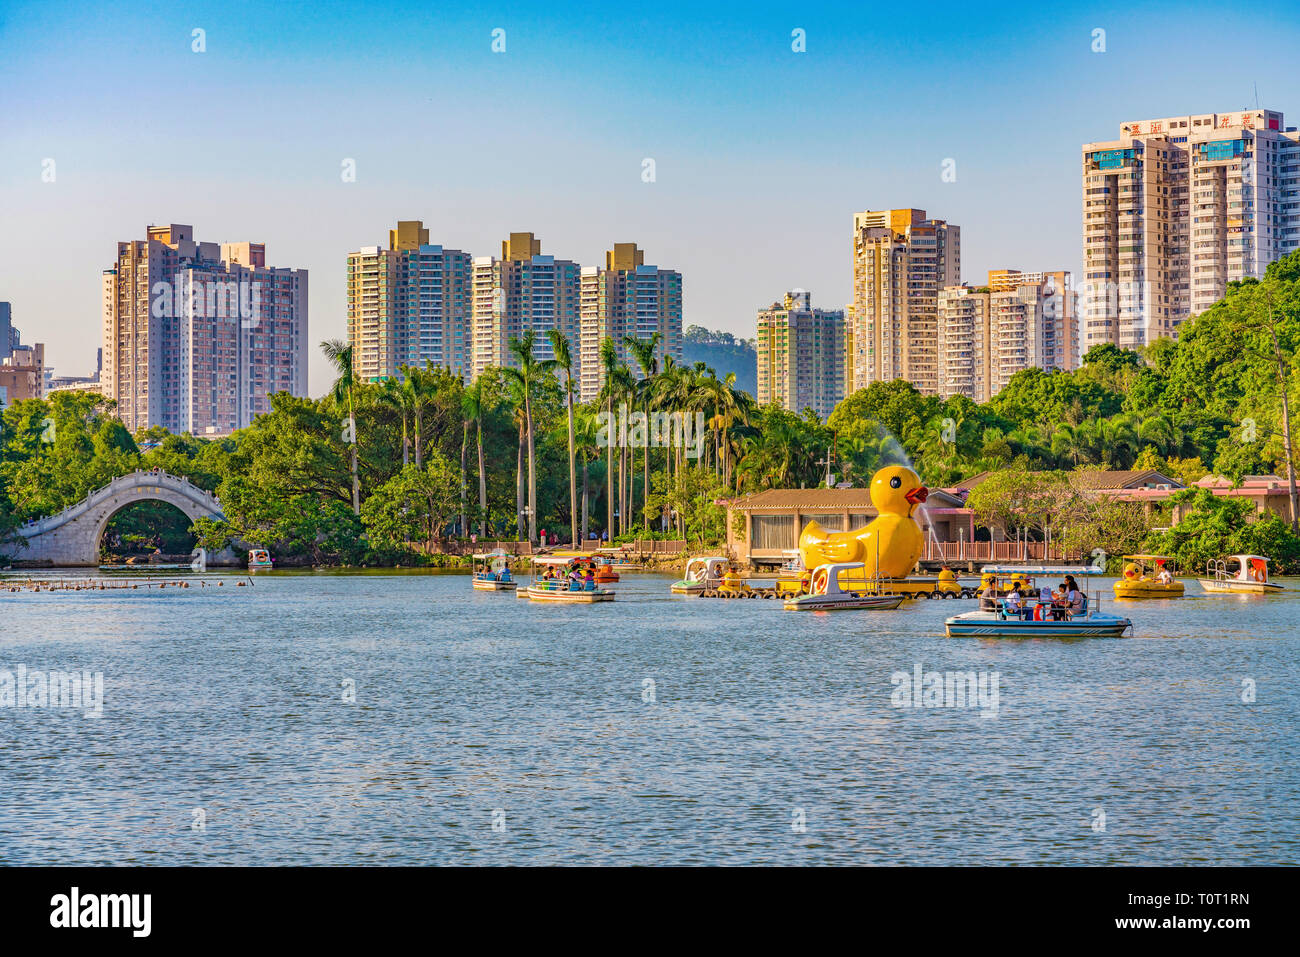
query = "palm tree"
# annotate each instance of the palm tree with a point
(472, 409)
(394, 394)
(643, 351)
(609, 369)
(1161, 433)
(339, 353)
(526, 375)
(421, 386)
(586, 436)
(564, 360)
(1070, 441)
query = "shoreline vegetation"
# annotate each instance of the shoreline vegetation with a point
(387, 474)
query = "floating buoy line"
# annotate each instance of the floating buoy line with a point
(113, 584)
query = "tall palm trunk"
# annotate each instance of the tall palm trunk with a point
(584, 497)
(419, 458)
(464, 475)
(609, 470)
(573, 478)
(532, 472)
(519, 485)
(482, 485)
(645, 478)
(356, 480)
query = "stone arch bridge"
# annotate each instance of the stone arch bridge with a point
(72, 536)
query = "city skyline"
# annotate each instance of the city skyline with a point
(739, 203)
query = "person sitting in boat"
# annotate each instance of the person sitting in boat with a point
(1078, 602)
(1059, 604)
(1012, 604)
(505, 573)
(989, 596)
(589, 579)
(1164, 577)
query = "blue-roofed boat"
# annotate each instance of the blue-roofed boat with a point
(999, 623)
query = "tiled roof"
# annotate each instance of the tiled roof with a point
(971, 482)
(1092, 480)
(824, 499)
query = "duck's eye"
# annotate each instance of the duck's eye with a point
(895, 482)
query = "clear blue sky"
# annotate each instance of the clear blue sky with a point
(762, 154)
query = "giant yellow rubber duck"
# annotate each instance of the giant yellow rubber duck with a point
(895, 536)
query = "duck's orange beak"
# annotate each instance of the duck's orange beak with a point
(918, 495)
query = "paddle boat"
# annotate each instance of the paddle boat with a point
(603, 566)
(1148, 576)
(492, 572)
(1043, 621)
(557, 584)
(1250, 576)
(259, 558)
(700, 573)
(841, 585)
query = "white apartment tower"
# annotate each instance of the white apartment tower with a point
(520, 291)
(409, 304)
(901, 259)
(627, 298)
(801, 355)
(1177, 208)
(1018, 321)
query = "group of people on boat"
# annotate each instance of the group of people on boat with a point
(580, 578)
(1063, 603)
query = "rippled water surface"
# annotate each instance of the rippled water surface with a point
(489, 730)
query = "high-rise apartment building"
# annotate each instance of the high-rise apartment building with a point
(1177, 208)
(409, 304)
(627, 298)
(198, 336)
(801, 355)
(901, 259)
(1020, 320)
(520, 291)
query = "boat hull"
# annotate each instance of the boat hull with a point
(1141, 589)
(560, 597)
(480, 585)
(1234, 587)
(985, 625)
(686, 588)
(842, 602)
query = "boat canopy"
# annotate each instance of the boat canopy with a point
(1149, 558)
(1039, 570)
(499, 553)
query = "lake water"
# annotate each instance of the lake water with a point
(652, 729)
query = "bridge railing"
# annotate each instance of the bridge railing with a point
(130, 478)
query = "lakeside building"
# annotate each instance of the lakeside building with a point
(1019, 320)
(199, 335)
(1177, 208)
(22, 374)
(22, 368)
(626, 297)
(763, 528)
(409, 304)
(520, 291)
(901, 260)
(801, 355)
